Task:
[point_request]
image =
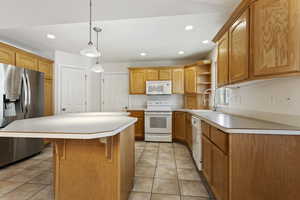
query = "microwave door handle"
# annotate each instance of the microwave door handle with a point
(25, 101)
(29, 92)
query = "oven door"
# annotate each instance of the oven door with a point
(158, 122)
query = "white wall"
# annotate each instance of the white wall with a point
(275, 100)
(139, 101)
(93, 82)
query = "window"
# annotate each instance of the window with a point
(222, 96)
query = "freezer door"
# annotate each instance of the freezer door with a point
(35, 101)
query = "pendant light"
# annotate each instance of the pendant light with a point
(90, 51)
(97, 67)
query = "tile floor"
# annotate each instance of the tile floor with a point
(164, 171)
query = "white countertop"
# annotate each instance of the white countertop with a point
(70, 126)
(237, 124)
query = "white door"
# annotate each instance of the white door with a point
(115, 92)
(73, 90)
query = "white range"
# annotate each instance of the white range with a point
(158, 121)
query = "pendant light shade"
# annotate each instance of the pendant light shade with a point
(97, 67)
(91, 50)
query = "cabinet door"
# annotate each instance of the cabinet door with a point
(189, 134)
(27, 61)
(137, 81)
(48, 97)
(207, 158)
(179, 126)
(139, 128)
(219, 179)
(223, 55)
(7, 55)
(178, 80)
(239, 49)
(190, 80)
(46, 67)
(165, 74)
(275, 37)
(152, 74)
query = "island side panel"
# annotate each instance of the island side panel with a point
(127, 162)
(84, 171)
(264, 167)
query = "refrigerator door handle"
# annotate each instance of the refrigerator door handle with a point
(25, 103)
(29, 92)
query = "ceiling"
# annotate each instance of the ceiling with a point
(129, 26)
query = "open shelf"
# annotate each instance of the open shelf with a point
(204, 73)
(204, 83)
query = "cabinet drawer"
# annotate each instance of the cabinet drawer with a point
(219, 138)
(205, 129)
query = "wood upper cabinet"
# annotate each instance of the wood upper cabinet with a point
(275, 37)
(46, 67)
(137, 81)
(48, 97)
(7, 54)
(178, 80)
(223, 60)
(190, 78)
(152, 74)
(239, 49)
(179, 126)
(220, 174)
(207, 158)
(26, 60)
(165, 74)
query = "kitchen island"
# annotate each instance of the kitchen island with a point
(93, 153)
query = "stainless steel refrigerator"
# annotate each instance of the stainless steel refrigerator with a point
(21, 97)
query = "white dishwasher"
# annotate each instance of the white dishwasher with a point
(197, 148)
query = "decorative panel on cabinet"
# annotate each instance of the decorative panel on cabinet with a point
(7, 54)
(275, 37)
(178, 80)
(152, 74)
(190, 80)
(26, 60)
(207, 158)
(239, 49)
(223, 55)
(137, 81)
(165, 74)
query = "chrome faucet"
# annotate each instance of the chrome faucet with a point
(205, 100)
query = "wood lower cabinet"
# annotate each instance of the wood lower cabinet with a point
(207, 158)
(253, 166)
(26, 60)
(223, 60)
(179, 126)
(178, 80)
(189, 130)
(139, 125)
(137, 81)
(239, 49)
(7, 54)
(275, 37)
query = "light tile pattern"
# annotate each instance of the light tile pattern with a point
(164, 171)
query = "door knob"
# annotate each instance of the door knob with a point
(63, 109)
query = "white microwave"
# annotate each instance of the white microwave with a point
(158, 87)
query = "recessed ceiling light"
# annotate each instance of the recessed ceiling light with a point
(205, 41)
(143, 54)
(51, 36)
(180, 52)
(189, 27)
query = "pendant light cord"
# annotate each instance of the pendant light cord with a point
(90, 42)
